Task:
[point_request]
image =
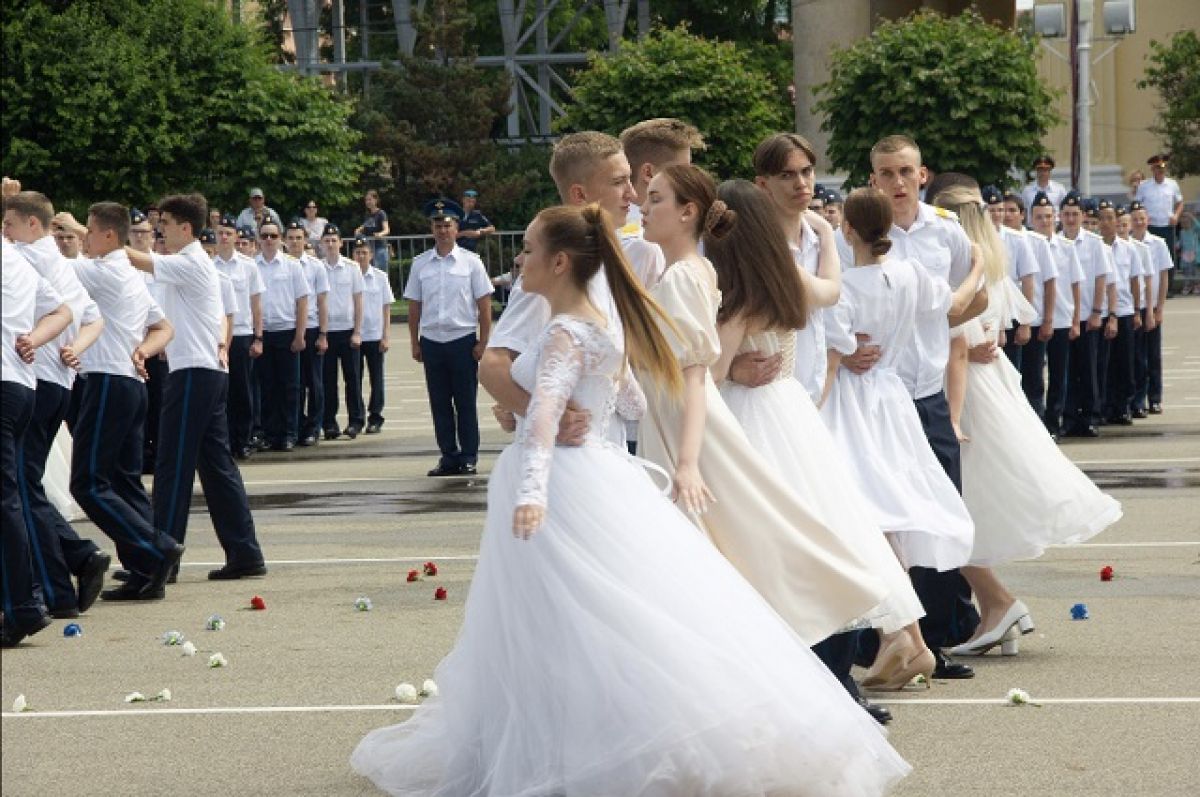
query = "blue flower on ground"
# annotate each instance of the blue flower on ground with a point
(1079, 611)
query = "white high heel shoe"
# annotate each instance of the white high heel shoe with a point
(1016, 617)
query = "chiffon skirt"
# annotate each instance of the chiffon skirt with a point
(617, 654)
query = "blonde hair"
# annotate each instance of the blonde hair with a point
(968, 204)
(656, 141)
(586, 235)
(575, 158)
(889, 145)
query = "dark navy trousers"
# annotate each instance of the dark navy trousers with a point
(370, 361)
(158, 370)
(195, 437)
(24, 606)
(1147, 367)
(1083, 395)
(341, 354)
(452, 379)
(1058, 357)
(311, 405)
(279, 379)
(1119, 387)
(1033, 361)
(239, 410)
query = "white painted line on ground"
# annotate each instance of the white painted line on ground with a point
(1082, 545)
(1177, 461)
(1048, 701)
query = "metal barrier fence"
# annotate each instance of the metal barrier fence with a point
(496, 251)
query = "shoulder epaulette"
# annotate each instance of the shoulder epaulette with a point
(945, 214)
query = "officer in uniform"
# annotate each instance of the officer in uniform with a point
(1163, 201)
(474, 225)
(450, 297)
(1055, 191)
(246, 341)
(345, 313)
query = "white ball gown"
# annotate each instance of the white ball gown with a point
(786, 429)
(1023, 492)
(873, 419)
(616, 652)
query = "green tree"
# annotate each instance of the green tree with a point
(1174, 72)
(710, 84)
(968, 92)
(119, 99)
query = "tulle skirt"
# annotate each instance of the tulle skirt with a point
(616, 653)
(785, 427)
(1023, 492)
(873, 419)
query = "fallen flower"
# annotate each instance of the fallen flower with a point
(413, 575)
(431, 569)
(1019, 697)
(135, 697)
(1106, 573)
(440, 594)
(257, 603)
(217, 660)
(429, 688)
(164, 695)
(172, 638)
(188, 649)
(1079, 611)
(20, 704)
(72, 630)
(406, 693)
(363, 604)
(215, 623)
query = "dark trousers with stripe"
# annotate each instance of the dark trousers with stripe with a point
(1083, 404)
(950, 616)
(312, 386)
(58, 552)
(452, 379)
(196, 438)
(1033, 361)
(370, 360)
(1058, 358)
(1147, 367)
(341, 354)
(279, 378)
(157, 370)
(106, 469)
(1118, 392)
(24, 606)
(238, 410)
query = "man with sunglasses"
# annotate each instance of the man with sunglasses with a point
(285, 313)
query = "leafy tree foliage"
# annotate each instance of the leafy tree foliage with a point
(711, 84)
(124, 100)
(968, 92)
(1174, 72)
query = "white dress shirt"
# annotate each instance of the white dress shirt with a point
(645, 258)
(1021, 262)
(247, 281)
(1055, 191)
(1160, 199)
(345, 282)
(448, 289)
(27, 297)
(1040, 249)
(1070, 271)
(192, 301)
(1126, 265)
(318, 283)
(1096, 259)
(285, 283)
(49, 263)
(377, 304)
(1160, 261)
(128, 310)
(812, 355)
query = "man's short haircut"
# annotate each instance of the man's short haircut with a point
(577, 155)
(110, 216)
(946, 180)
(190, 208)
(659, 141)
(31, 203)
(269, 223)
(772, 153)
(889, 145)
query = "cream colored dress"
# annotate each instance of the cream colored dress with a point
(815, 580)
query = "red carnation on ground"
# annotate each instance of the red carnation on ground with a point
(413, 575)
(430, 569)
(440, 594)
(257, 603)
(1106, 573)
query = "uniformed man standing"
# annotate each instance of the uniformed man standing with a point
(1150, 388)
(312, 359)
(285, 312)
(1055, 191)
(1163, 201)
(246, 341)
(1118, 375)
(345, 311)
(376, 333)
(450, 298)
(474, 225)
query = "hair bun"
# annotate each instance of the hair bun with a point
(593, 214)
(719, 220)
(881, 246)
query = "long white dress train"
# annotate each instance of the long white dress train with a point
(616, 653)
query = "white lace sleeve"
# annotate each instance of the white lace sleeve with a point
(559, 369)
(631, 401)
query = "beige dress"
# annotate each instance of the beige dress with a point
(811, 577)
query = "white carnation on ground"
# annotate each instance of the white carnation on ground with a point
(164, 696)
(217, 660)
(406, 693)
(429, 688)
(188, 649)
(135, 697)
(20, 704)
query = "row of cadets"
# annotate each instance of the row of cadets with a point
(311, 402)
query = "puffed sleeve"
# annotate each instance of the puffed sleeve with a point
(839, 326)
(692, 305)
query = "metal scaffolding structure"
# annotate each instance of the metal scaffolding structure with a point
(532, 55)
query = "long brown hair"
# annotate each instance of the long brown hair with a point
(758, 276)
(692, 184)
(586, 235)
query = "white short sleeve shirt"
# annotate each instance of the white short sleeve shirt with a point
(1055, 191)
(1126, 265)
(27, 297)
(1070, 272)
(377, 304)
(812, 355)
(345, 282)
(448, 288)
(247, 281)
(192, 301)
(128, 310)
(318, 283)
(1160, 199)
(1096, 259)
(1040, 248)
(284, 284)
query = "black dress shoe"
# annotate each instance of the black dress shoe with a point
(949, 669)
(373, 428)
(120, 574)
(167, 569)
(287, 445)
(243, 454)
(468, 469)
(1155, 408)
(11, 634)
(138, 589)
(91, 578)
(878, 713)
(310, 440)
(1089, 431)
(261, 444)
(353, 432)
(233, 572)
(65, 613)
(445, 470)
(1139, 414)
(332, 434)
(1121, 420)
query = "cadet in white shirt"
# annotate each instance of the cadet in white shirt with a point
(1145, 269)
(1045, 294)
(68, 235)
(1065, 315)
(1082, 412)
(1022, 270)
(245, 343)
(285, 313)
(345, 318)
(33, 315)
(311, 404)
(196, 430)
(28, 216)
(450, 298)
(1163, 201)
(377, 301)
(1055, 191)
(1149, 393)
(142, 237)
(1116, 362)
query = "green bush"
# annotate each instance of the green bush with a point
(1174, 71)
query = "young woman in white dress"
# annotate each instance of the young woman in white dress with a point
(764, 301)
(1023, 493)
(873, 419)
(607, 647)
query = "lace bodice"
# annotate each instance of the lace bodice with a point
(574, 361)
(774, 341)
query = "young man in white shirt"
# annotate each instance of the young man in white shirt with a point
(345, 314)
(1082, 412)
(27, 220)
(285, 314)
(1116, 362)
(142, 236)
(194, 423)
(1149, 393)
(246, 335)
(1065, 314)
(1163, 201)
(109, 425)
(450, 297)
(1055, 191)
(316, 341)
(377, 301)
(33, 315)
(1023, 270)
(1045, 295)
